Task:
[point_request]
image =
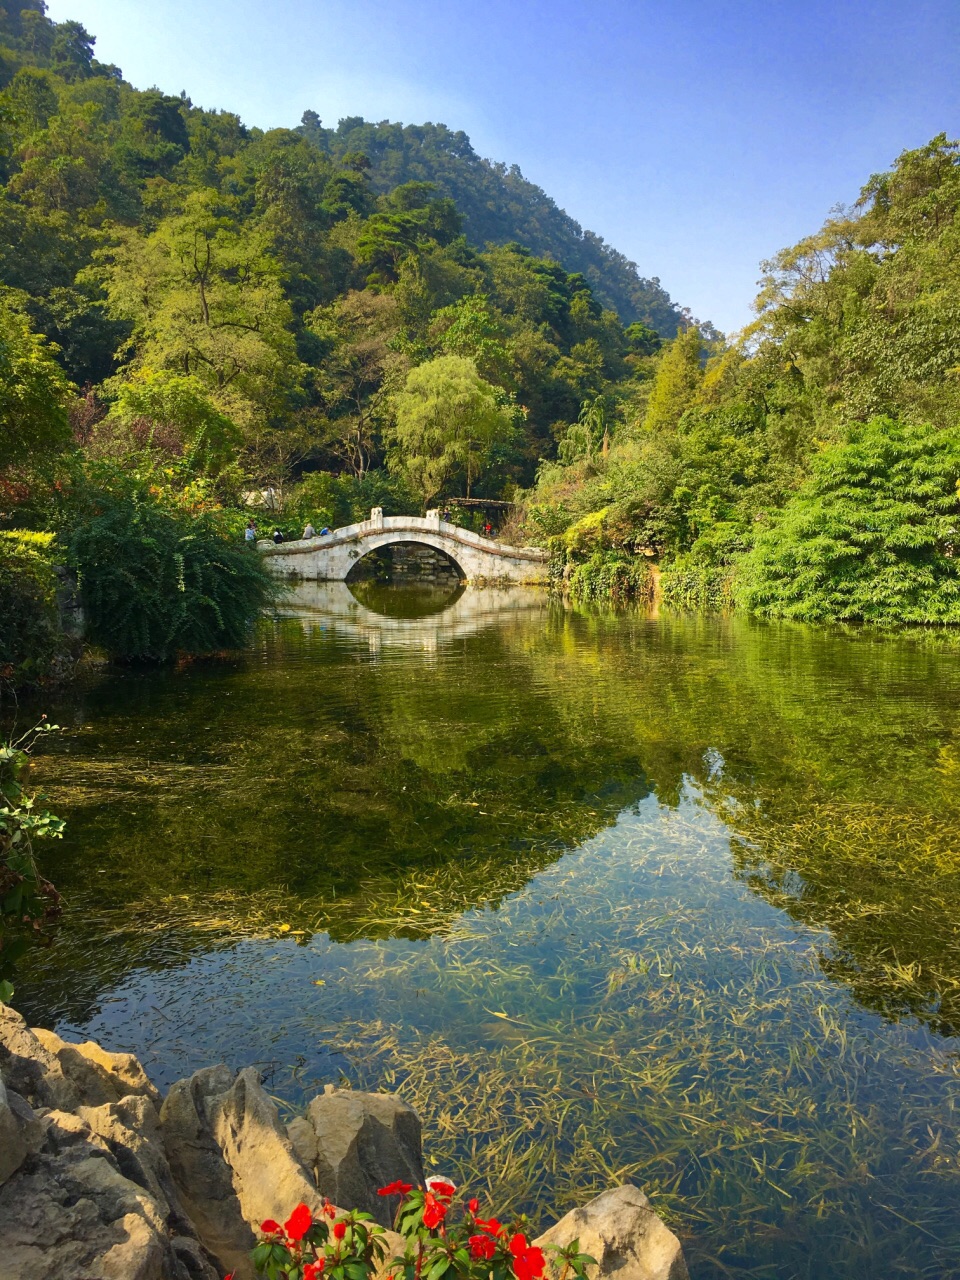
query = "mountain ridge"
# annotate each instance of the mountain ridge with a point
(499, 205)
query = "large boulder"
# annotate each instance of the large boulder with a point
(130, 1130)
(623, 1233)
(231, 1160)
(50, 1072)
(69, 1211)
(85, 1190)
(355, 1143)
(20, 1132)
(101, 1077)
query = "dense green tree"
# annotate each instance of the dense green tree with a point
(448, 423)
(31, 98)
(866, 310)
(203, 296)
(677, 383)
(172, 413)
(360, 366)
(33, 393)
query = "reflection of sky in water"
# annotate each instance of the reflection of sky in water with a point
(659, 875)
(624, 1006)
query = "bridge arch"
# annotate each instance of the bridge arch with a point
(333, 556)
(408, 558)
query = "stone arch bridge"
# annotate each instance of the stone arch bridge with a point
(332, 556)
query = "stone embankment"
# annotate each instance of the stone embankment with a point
(102, 1179)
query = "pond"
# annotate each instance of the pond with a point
(607, 896)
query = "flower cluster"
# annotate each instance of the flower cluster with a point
(350, 1246)
(307, 1247)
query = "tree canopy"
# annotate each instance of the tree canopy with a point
(373, 312)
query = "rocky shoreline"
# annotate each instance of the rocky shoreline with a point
(103, 1179)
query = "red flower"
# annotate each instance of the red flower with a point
(339, 1230)
(314, 1269)
(397, 1188)
(299, 1222)
(270, 1227)
(528, 1260)
(440, 1188)
(482, 1247)
(434, 1211)
(492, 1226)
(473, 1205)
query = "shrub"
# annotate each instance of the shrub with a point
(612, 575)
(688, 585)
(155, 581)
(30, 634)
(872, 535)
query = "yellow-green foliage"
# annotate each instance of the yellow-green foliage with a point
(678, 380)
(30, 634)
(586, 535)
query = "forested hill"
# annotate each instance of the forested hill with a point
(498, 205)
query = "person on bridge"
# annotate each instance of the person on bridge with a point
(324, 531)
(309, 531)
(488, 530)
(250, 533)
(277, 536)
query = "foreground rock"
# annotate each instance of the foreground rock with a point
(624, 1234)
(99, 1180)
(86, 1191)
(356, 1142)
(232, 1161)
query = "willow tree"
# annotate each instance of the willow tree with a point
(448, 422)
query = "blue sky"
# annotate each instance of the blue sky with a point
(696, 138)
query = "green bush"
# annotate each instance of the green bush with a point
(872, 535)
(30, 634)
(155, 581)
(332, 500)
(686, 585)
(612, 575)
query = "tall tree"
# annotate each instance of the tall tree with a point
(33, 393)
(204, 297)
(448, 422)
(677, 383)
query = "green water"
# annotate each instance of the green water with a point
(607, 896)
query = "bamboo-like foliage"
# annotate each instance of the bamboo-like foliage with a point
(871, 535)
(155, 582)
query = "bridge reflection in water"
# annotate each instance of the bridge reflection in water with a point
(416, 618)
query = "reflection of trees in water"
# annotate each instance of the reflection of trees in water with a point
(378, 804)
(382, 788)
(832, 759)
(883, 881)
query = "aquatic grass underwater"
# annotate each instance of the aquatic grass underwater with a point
(604, 896)
(634, 1015)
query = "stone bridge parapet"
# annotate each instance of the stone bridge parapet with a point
(330, 557)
